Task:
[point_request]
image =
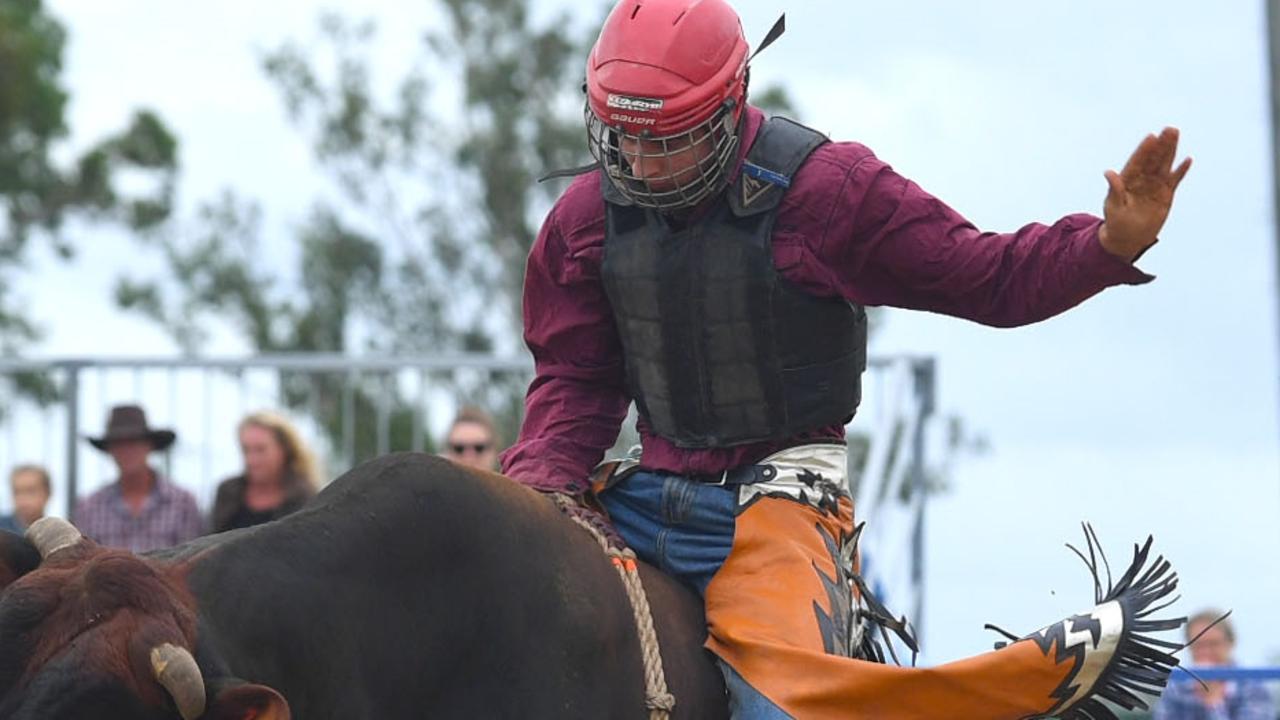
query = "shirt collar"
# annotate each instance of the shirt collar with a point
(161, 491)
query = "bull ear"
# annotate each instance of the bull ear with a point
(247, 702)
(17, 558)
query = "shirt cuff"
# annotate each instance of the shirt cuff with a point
(1114, 269)
(545, 477)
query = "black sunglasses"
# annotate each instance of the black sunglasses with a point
(460, 448)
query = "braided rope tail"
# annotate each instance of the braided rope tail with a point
(658, 699)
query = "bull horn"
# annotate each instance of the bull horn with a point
(176, 670)
(51, 534)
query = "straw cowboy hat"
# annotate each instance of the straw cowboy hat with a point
(129, 422)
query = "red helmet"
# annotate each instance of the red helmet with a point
(667, 76)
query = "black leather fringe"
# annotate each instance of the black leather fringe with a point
(1140, 667)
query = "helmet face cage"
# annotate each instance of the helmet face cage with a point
(701, 155)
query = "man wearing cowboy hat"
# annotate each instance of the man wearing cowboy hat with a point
(142, 510)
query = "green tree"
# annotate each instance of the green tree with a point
(421, 249)
(39, 195)
(423, 207)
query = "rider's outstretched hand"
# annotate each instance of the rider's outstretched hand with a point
(1140, 195)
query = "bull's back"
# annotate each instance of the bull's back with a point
(413, 588)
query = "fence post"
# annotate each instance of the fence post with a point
(72, 392)
(925, 376)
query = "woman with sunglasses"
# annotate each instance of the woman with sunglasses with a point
(472, 439)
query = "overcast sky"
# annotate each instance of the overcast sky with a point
(1146, 410)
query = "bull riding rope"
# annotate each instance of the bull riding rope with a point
(658, 699)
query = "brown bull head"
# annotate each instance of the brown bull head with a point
(119, 619)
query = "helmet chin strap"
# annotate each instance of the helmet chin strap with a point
(774, 33)
(569, 172)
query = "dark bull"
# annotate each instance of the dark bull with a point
(410, 588)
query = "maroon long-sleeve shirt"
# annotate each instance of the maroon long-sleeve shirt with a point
(849, 227)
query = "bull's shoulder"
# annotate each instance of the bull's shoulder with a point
(422, 480)
(412, 502)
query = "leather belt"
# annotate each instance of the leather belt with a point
(741, 475)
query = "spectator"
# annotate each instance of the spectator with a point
(31, 490)
(1187, 699)
(141, 510)
(472, 439)
(279, 475)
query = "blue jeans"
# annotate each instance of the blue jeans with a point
(685, 529)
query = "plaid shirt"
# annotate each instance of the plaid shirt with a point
(1244, 701)
(169, 516)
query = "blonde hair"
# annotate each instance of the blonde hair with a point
(1207, 617)
(299, 461)
(476, 416)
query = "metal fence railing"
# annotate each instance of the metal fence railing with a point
(350, 408)
(1243, 674)
(1268, 676)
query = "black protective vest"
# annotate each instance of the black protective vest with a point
(720, 349)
